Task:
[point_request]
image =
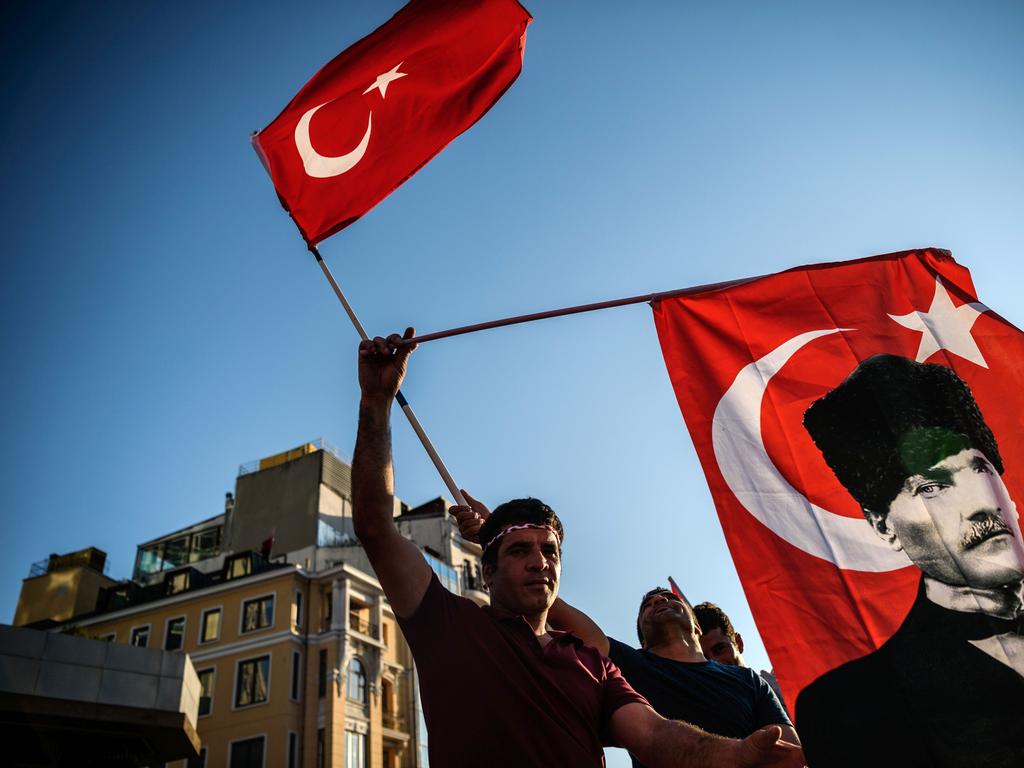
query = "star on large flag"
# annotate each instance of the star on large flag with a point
(945, 326)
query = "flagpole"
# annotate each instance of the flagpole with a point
(648, 297)
(449, 481)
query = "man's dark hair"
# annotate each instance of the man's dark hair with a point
(710, 616)
(651, 593)
(891, 419)
(530, 510)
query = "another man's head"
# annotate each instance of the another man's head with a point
(718, 639)
(662, 614)
(522, 548)
(909, 443)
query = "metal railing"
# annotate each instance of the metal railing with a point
(361, 625)
(42, 567)
(321, 444)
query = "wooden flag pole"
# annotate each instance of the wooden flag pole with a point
(442, 470)
(648, 297)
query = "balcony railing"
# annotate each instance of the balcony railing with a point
(320, 444)
(361, 625)
(42, 567)
(392, 721)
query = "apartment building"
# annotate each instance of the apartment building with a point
(299, 656)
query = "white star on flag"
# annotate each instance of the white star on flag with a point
(945, 327)
(381, 83)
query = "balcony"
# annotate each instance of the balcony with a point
(362, 626)
(393, 722)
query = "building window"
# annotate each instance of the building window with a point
(140, 636)
(205, 544)
(298, 610)
(296, 672)
(239, 567)
(247, 753)
(384, 632)
(355, 750)
(108, 638)
(174, 637)
(326, 609)
(293, 750)
(258, 613)
(198, 762)
(320, 748)
(178, 582)
(173, 553)
(206, 691)
(209, 627)
(321, 675)
(355, 685)
(253, 682)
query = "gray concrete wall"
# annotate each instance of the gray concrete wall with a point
(283, 499)
(65, 667)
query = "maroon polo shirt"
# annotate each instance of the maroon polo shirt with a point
(493, 696)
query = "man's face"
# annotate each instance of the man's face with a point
(957, 523)
(660, 609)
(718, 646)
(525, 578)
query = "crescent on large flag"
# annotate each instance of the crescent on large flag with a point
(385, 106)
(861, 428)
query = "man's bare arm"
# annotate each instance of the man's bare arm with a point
(662, 743)
(400, 568)
(562, 615)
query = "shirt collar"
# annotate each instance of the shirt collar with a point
(505, 616)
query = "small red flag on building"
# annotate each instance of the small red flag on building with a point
(385, 106)
(861, 429)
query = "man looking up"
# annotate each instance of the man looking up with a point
(670, 670)
(498, 687)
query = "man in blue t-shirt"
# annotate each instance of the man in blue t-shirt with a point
(680, 683)
(669, 669)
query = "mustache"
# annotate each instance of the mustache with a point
(982, 530)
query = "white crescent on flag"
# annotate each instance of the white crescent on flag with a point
(752, 476)
(322, 166)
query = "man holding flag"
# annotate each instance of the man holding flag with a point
(669, 669)
(535, 697)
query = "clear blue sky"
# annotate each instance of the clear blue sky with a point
(162, 322)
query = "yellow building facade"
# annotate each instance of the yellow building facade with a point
(298, 652)
(297, 670)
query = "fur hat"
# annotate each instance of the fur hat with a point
(893, 418)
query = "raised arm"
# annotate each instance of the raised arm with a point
(562, 615)
(400, 568)
(662, 743)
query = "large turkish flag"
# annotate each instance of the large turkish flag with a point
(384, 107)
(825, 588)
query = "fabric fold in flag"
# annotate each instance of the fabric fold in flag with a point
(860, 427)
(384, 107)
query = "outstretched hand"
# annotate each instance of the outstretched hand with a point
(470, 518)
(764, 748)
(382, 364)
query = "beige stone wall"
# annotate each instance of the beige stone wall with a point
(59, 595)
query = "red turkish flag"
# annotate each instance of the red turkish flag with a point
(825, 587)
(384, 107)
